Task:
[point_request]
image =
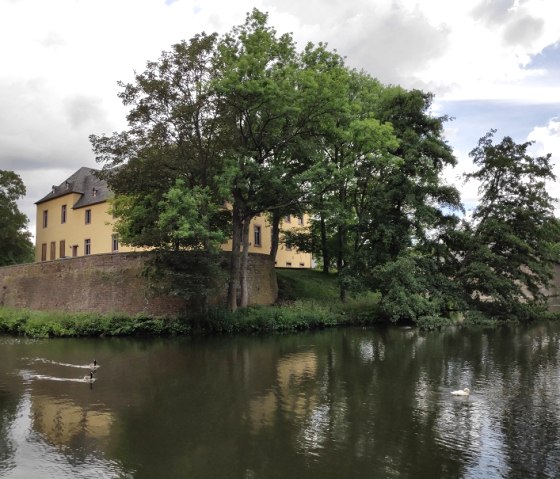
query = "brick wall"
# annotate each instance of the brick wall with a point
(110, 283)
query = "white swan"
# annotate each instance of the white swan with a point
(461, 392)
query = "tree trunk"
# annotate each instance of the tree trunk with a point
(275, 240)
(235, 264)
(244, 264)
(324, 247)
(340, 249)
(340, 262)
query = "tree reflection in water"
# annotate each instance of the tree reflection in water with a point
(349, 402)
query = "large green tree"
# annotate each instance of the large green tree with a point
(217, 122)
(170, 153)
(166, 169)
(508, 249)
(15, 240)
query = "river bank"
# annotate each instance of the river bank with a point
(307, 300)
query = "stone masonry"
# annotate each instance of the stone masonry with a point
(108, 283)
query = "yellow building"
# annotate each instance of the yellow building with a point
(73, 220)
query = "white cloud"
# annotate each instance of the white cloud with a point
(61, 60)
(547, 140)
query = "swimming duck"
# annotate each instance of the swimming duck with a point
(461, 392)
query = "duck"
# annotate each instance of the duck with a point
(93, 366)
(90, 378)
(461, 392)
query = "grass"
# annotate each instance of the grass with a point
(315, 291)
(305, 284)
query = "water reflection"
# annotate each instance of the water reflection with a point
(38, 432)
(62, 422)
(358, 403)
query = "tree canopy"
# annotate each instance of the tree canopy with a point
(224, 128)
(15, 240)
(513, 239)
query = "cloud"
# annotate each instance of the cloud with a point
(83, 110)
(41, 127)
(523, 31)
(391, 40)
(62, 61)
(52, 39)
(547, 140)
(519, 26)
(492, 12)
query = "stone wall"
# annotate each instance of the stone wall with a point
(110, 283)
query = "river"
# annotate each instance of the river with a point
(341, 403)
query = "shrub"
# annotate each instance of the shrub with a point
(431, 323)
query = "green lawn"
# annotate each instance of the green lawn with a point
(306, 284)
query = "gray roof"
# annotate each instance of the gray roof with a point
(84, 182)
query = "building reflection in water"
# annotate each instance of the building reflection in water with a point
(44, 434)
(61, 422)
(293, 392)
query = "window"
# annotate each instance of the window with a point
(288, 247)
(302, 265)
(45, 218)
(62, 249)
(288, 219)
(257, 235)
(87, 247)
(53, 251)
(300, 220)
(63, 214)
(114, 243)
(44, 252)
(88, 217)
(288, 263)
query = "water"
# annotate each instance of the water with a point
(357, 403)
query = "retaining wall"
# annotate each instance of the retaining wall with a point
(106, 283)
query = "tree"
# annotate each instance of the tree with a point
(172, 145)
(224, 116)
(272, 100)
(15, 240)
(509, 247)
(166, 169)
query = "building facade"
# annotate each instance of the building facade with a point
(74, 220)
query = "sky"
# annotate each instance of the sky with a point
(489, 63)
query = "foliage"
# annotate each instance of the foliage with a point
(409, 289)
(224, 128)
(298, 316)
(167, 151)
(192, 275)
(506, 253)
(192, 219)
(432, 323)
(16, 245)
(45, 324)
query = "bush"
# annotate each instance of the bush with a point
(41, 324)
(431, 323)
(295, 316)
